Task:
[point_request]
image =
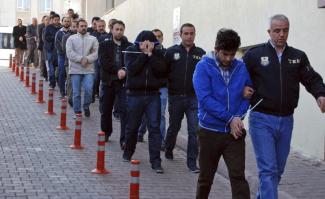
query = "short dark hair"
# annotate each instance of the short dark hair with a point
(227, 39)
(157, 30)
(81, 20)
(118, 22)
(52, 13)
(186, 25)
(75, 16)
(70, 9)
(95, 19)
(55, 16)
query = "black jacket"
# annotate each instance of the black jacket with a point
(181, 65)
(40, 36)
(49, 35)
(144, 72)
(278, 83)
(106, 57)
(19, 32)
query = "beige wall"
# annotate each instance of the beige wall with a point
(250, 19)
(7, 16)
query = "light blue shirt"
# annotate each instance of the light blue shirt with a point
(279, 54)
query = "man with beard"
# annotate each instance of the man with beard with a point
(18, 33)
(49, 35)
(31, 37)
(72, 31)
(82, 50)
(112, 75)
(61, 56)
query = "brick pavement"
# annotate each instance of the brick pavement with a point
(37, 163)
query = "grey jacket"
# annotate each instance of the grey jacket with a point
(81, 46)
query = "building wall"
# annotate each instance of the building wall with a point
(7, 16)
(250, 19)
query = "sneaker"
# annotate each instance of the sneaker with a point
(169, 155)
(87, 112)
(126, 158)
(195, 170)
(123, 146)
(106, 137)
(158, 169)
(140, 138)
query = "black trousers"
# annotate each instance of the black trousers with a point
(212, 146)
(106, 103)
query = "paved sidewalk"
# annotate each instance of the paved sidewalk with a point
(37, 163)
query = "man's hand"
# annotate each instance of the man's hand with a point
(236, 127)
(84, 62)
(143, 46)
(21, 38)
(121, 74)
(248, 92)
(150, 46)
(321, 103)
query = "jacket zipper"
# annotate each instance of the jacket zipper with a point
(281, 87)
(145, 88)
(185, 73)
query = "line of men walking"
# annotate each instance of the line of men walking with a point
(212, 90)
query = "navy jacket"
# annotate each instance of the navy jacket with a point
(219, 102)
(58, 41)
(278, 83)
(144, 72)
(181, 65)
(49, 36)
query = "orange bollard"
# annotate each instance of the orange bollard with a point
(40, 92)
(63, 119)
(17, 70)
(100, 168)
(33, 91)
(13, 65)
(77, 133)
(10, 60)
(50, 102)
(21, 73)
(27, 78)
(135, 182)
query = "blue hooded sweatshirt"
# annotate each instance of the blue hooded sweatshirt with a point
(220, 102)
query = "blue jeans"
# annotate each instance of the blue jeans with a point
(271, 136)
(163, 101)
(137, 106)
(62, 74)
(51, 69)
(178, 106)
(86, 81)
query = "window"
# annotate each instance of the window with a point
(45, 5)
(321, 3)
(23, 5)
(110, 4)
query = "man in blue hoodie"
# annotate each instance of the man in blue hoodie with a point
(219, 80)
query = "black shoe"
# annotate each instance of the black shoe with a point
(126, 158)
(87, 112)
(123, 146)
(140, 138)
(169, 155)
(106, 137)
(158, 169)
(70, 102)
(194, 170)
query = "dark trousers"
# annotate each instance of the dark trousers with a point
(137, 106)
(212, 146)
(108, 93)
(178, 106)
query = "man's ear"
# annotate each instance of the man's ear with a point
(269, 31)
